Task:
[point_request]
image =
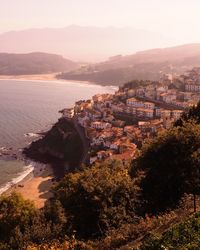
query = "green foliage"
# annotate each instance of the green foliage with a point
(33, 63)
(185, 236)
(102, 203)
(15, 215)
(98, 198)
(192, 114)
(170, 164)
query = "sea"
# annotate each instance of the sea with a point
(29, 107)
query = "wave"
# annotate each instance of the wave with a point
(31, 135)
(28, 169)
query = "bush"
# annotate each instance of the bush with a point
(98, 198)
(170, 166)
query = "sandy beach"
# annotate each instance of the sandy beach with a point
(42, 77)
(36, 186)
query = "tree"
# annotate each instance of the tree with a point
(192, 114)
(98, 198)
(16, 214)
(170, 164)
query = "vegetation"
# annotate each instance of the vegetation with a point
(184, 236)
(114, 204)
(33, 63)
(170, 165)
(99, 198)
(61, 145)
(192, 114)
(115, 76)
(146, 65)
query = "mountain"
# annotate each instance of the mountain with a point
(144, 65)
(33, 63)
(81, 43)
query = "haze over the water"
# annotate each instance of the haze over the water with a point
(161, 23)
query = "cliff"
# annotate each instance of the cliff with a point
(61, 147)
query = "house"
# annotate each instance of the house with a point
(165, 113)
(159, 91)
(150, 92)
(115, 145)
(118, 107)
(176, 114)
(192, 87)
(181, 104)
(118, 123)
(131, 93)
(158, 112)
(149, 105)
(101, 155)
(133, 102)
(167, 122)
(140, 92)
(145, 113)
(167, 97)
(109, 118)
(83, 120)
(67, 113)
(93, 114)
(96, 141)
(100, 125)
(149, 113)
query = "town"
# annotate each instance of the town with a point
(117, 124)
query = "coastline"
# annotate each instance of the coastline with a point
(45, 77)
(36, 185)
(51, 78)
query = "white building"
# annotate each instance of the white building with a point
(132, 102)
(176, 114)
(149, 105)
(67, 113)
(100, 125)
(192, 87)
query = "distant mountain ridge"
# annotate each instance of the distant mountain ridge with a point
(81, 43)
(144, 65)
(33, 63)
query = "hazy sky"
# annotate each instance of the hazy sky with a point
(172, 18)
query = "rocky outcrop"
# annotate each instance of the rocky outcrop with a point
(61, 147)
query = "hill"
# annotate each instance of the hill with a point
(182, 236)
(81, 43)
(143, 204)
(33, 63)
(144, 65)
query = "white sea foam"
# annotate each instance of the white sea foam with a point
(27, 170)
(31, 135)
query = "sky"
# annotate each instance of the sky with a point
(172, 18)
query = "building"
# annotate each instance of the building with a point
(165, 113)
(176, 114)
(149, 105)
(145, 113)
(67, 113)
(100, 125)
(192, 87)
(133, 102)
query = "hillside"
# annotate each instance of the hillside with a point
(142, 204)
(145, 65)
(61, 146)
(82, 43)
(33, 63)
(182, 236)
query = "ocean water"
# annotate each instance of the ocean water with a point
(31, 107)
